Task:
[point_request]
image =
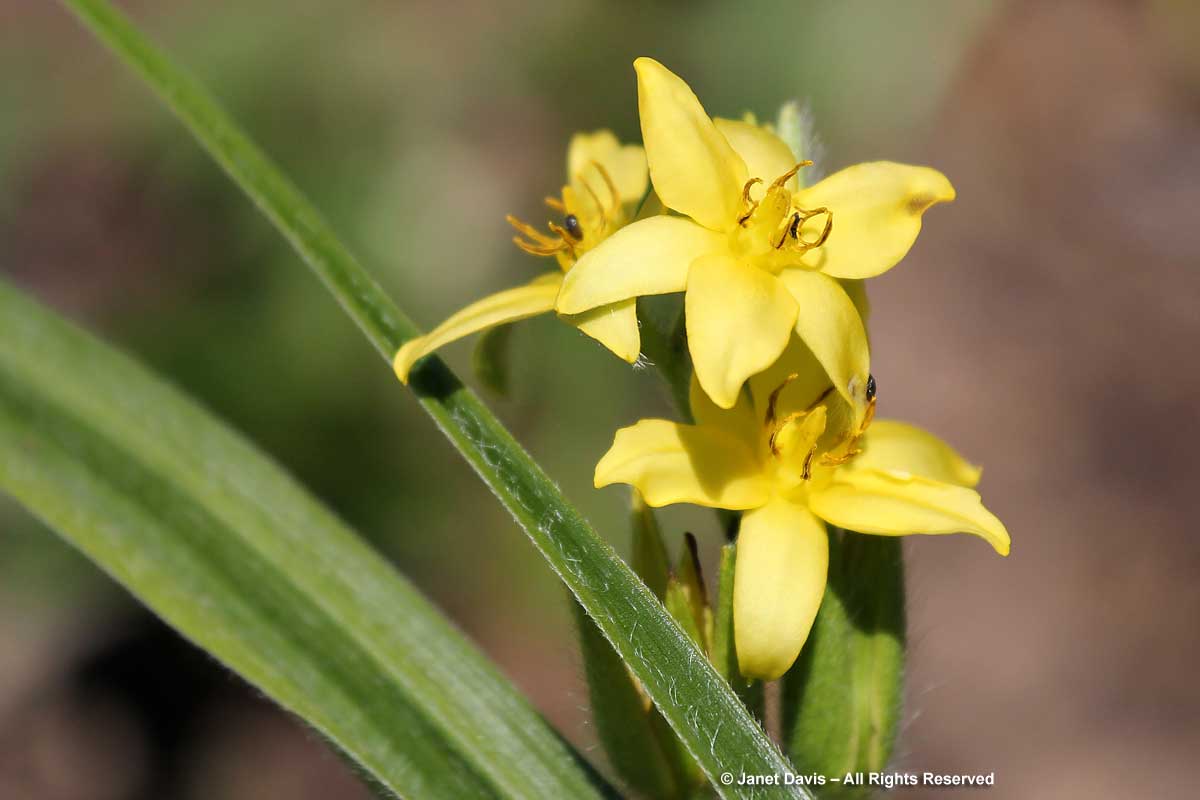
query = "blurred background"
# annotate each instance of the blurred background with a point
(1045, 323)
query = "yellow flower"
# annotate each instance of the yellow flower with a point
(757, 256)
(790, 456)
(606, 181)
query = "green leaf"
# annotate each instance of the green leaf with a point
(679, 604)
(651, 562)
(621, 716)
(710, 720)
(688, 583)
(724, 656)
(724, 651)
(842, 699)
(648, 550)
(223, 545)
(664, 342)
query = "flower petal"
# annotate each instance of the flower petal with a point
(901, 449)
(739, 319)
(693, 168)
(614, 326)
(625, 164)
(867, 501)
(830, 325)
(877, 210)
(766, 155)
(650, 256)
(536, 297)
(778, 582)
(799, 373)
(673, 463)
(739, 420)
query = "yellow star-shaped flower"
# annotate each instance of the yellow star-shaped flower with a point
(606, 181)
(791, 456)
(757, 256)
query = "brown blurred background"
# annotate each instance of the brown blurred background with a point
(1045, 323)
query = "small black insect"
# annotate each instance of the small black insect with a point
(870, 388)
(573, 227)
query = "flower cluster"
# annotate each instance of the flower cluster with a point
(782, 396)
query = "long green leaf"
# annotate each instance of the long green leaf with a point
(219, 541)
(621, 718)
(702, 709)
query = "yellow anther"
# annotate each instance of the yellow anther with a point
(567, 240)
(774, 398)
(531, 232)
(750, 205)
(791, 173)
(612, 187)
(599, 205)
(802, 217)
(536, 250)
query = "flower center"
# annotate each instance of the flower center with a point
(586, 220)
(772, 230)
(820, 434)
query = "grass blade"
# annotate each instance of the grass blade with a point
(219, 541)
(710, 720)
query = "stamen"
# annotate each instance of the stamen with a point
(867, 418)
(829, 460)
(791, 227)
(787, 176)
(612, 187)
(806, 470)
(599, 205)
(537, 243)
(528, 230)
(565, 236)
(774, 398)
(555, 204)
(750, 205)
(805, 216)
(535, 250)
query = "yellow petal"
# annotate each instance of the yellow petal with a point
(584, 148)
(830, 326)
(614, 326)
(902, 450)
(510, 305)
(877, 210)
(739, 421)
(651, 256)
(739, 319)
(805, 380)
(625, 164)
(778, 582)
(867, 501)
(693, 168)
(766, 155)
(673, 463)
